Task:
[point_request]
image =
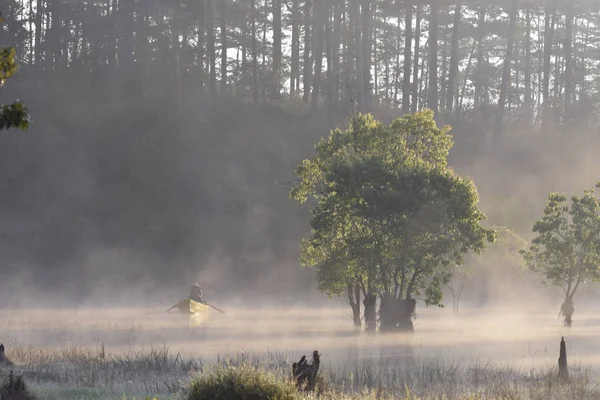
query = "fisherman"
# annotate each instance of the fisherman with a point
(196, 293)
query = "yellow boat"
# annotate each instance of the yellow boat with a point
(192, 307)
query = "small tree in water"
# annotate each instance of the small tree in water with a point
(566, 250)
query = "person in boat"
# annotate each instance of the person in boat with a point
(196, 293)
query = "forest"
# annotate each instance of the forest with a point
(166, 133)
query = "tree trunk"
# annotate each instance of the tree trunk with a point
(442, 78)
(387, 320)
(295, 61)
(479, 69)
(432, 98)
(210, 48)
(223, 47)
(568, 46)
(329, 55)
(359, 76)
(201, 43)
(369, 303)
(548, 37)
(407, 57)
(254, 52)
(528, 97)
(367, 53)
(335, 63)
(498, 125)
(306, 81)
(349, 82)
(276, 48)
(416, 80)
(353, 293)
(38, 33)
(567, 309)
(320, 19)
(453, 74)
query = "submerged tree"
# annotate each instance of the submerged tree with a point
(566, 250)
(391, 217)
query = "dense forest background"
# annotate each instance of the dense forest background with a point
(165, 133)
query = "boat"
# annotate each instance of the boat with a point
(191, 307)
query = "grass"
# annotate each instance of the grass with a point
(61, 355)
(240, 383)
(82, 373)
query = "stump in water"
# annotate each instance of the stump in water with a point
(563, 371)
(304, 374)
(3, 359)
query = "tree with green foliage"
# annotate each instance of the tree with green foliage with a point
(566, 250)
(11, 115)
(391, 217)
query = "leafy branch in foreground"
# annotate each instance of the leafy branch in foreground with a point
(11, 115)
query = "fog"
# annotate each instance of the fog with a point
(150, 164)
(515, 338)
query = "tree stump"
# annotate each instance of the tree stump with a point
(563, 371)
(305, 375)
(3, 359)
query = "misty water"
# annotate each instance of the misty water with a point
(501, 337)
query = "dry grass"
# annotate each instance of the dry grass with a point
(93, 373)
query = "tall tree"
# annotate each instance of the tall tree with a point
(295, 56)
(406, 87)
(498, 125)
(277, 38)
(568, 50)
(224, 45)
(307, 79)
(432, 96)
(210, 48)
(367, 42)
(320, 20)
(548, 44)
(454, 56)
(479, 69)
(415, 82)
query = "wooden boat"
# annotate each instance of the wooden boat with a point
(191, 307)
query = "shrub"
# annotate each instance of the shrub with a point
(240, 383)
